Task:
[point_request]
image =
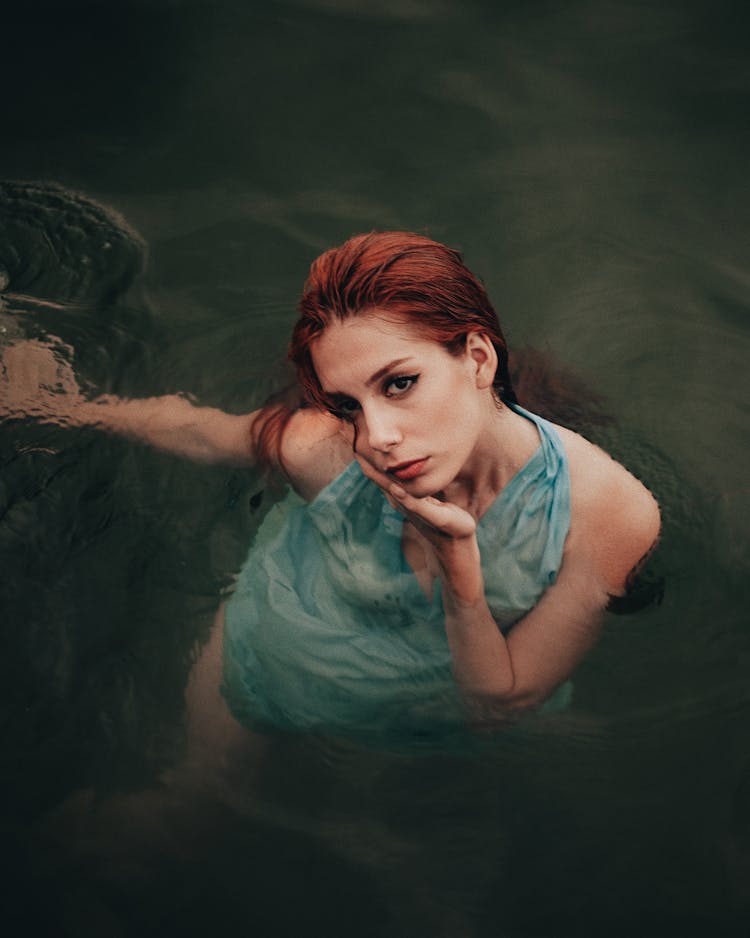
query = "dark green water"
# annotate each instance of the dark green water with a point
(591, 161)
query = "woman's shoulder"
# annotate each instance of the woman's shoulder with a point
(615, 520)
(315, 449)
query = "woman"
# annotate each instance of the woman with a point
(449, 554)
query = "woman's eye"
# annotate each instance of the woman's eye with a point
(345, 407)
(400, 385)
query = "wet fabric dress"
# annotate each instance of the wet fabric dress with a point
(328, 628)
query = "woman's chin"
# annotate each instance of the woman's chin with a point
(424, 487)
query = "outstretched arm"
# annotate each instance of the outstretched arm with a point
(174, 424)
(37, 382)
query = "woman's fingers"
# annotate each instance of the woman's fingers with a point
(380, 478)
(428, 513)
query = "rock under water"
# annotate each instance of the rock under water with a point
(60, 245)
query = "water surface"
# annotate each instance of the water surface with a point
(590, 160)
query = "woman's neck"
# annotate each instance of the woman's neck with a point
(505, 445)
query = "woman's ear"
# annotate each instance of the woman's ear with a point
(483, 356)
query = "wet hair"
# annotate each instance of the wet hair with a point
(411, 276)
(396, 272)
(399, 273)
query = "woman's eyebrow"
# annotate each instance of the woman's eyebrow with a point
(381, 372)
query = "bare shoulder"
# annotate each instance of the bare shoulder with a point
(615, 520)
(315, 449)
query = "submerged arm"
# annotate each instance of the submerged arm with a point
(174, 424)
(37, 381)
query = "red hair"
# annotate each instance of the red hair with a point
(428, 284)
(399, 272)
(402, 273)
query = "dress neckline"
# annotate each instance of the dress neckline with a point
(515, 481)
(540, 455)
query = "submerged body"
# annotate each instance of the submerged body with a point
(329, 628)
(460, 566)
(404, 402)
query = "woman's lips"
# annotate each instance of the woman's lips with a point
(408, 470)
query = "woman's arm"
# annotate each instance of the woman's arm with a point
(614, 524)
(174, 424)
(520, 671)
(615, 521)
(37, 382)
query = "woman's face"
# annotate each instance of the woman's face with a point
(419, 411)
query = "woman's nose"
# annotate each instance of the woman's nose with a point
(381, 428)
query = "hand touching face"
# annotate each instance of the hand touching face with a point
(418, 411)
(436, 519)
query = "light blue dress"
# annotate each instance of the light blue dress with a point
(328, 628)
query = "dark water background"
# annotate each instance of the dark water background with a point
(590, 158)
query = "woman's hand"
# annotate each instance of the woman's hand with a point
(438, 521)
(37, 380)
(449, 532)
